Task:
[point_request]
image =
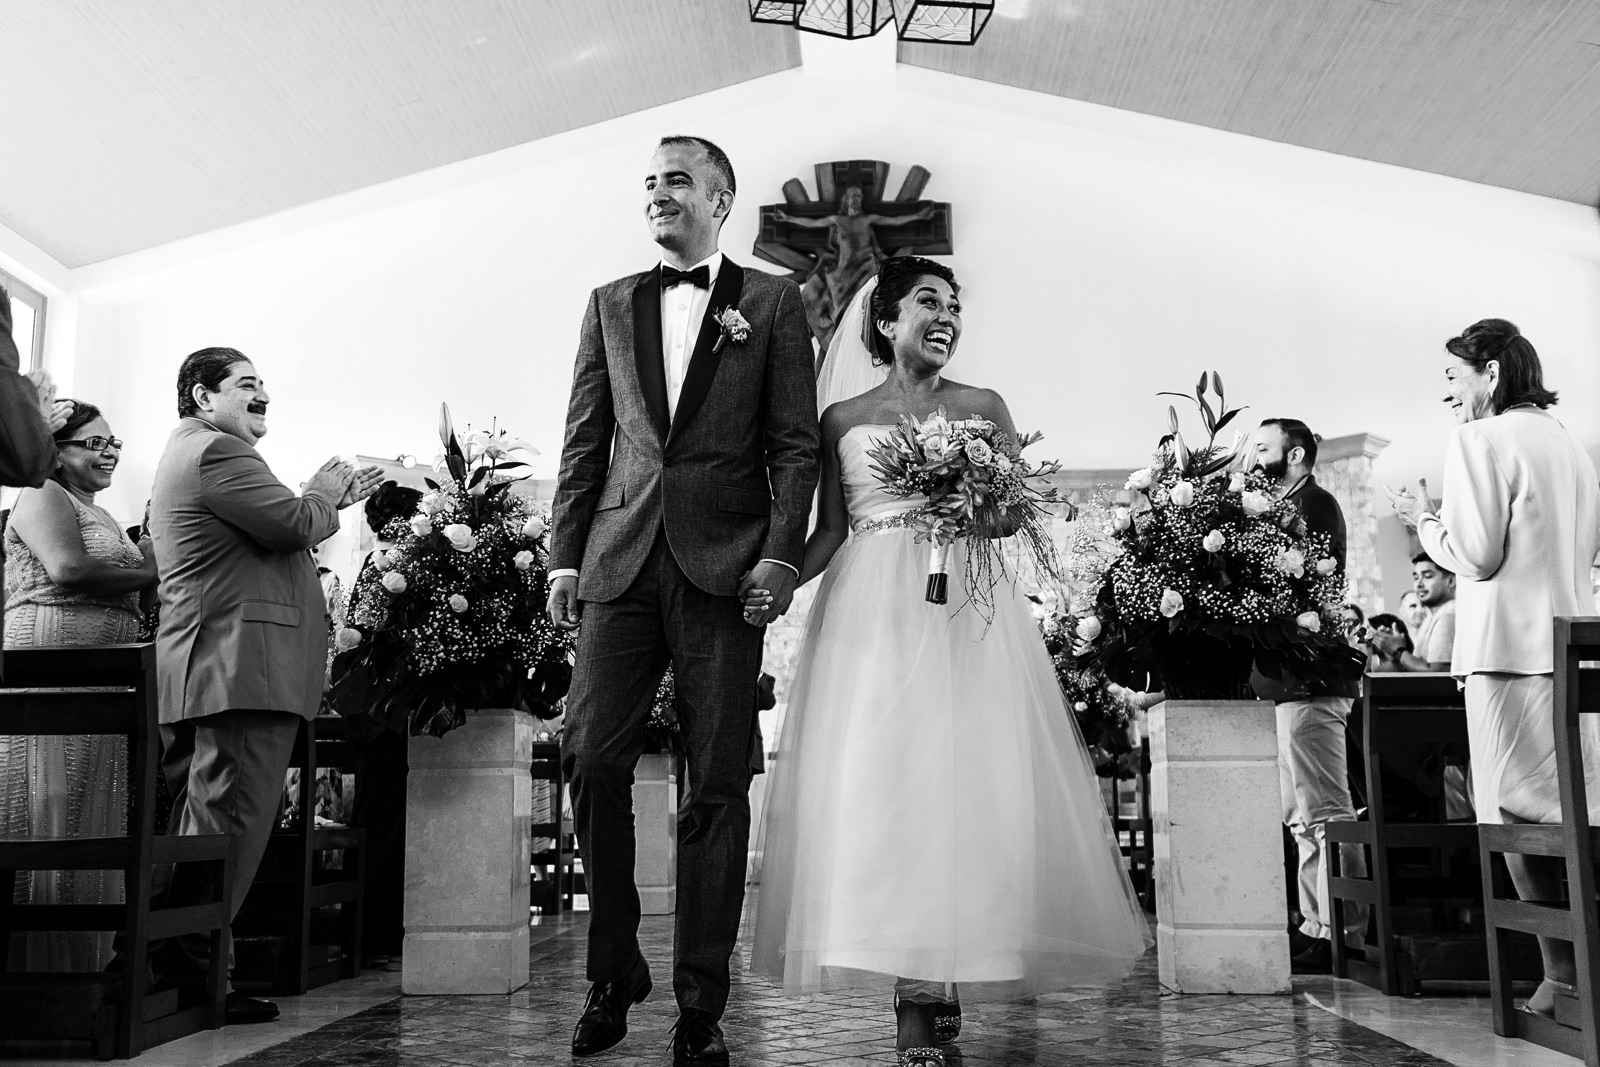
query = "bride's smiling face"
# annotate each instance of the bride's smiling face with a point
(929, 325)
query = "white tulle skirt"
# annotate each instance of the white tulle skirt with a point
(932, 813)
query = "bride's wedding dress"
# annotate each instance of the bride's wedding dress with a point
(932, 813)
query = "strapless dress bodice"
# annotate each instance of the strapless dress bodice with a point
(864, 495)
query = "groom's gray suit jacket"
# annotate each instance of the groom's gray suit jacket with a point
(729, 477)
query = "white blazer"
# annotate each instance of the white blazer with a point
(1519, 525)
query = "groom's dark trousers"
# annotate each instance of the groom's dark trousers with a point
(625, 644)
(661, 511)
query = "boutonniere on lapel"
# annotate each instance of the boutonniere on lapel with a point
(734, 328)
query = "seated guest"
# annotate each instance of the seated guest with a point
(1385, 632)
(1435, 589)
(1412, 611)
(72, 578)
(1353, 617)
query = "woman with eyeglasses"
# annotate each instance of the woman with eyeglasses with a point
(72, 577)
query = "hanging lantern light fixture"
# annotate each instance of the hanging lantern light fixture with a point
(784, 12)
(936, 21)
(942, 21)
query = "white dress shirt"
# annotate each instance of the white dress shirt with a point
(1519, 526)
(683, 312)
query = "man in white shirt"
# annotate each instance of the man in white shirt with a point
(1435, 589)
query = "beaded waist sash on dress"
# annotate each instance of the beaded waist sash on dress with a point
(903, 521)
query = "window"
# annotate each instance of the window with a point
(27, 320)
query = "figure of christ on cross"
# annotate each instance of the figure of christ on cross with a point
(838, 251)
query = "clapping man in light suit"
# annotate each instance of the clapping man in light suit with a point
(243, 640)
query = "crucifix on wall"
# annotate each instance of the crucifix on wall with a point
(836, 242)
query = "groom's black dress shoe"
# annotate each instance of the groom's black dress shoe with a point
(604, 1021)
(697, 1040)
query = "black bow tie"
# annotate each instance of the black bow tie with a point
(699, 277)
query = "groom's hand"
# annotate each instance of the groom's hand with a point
(771, 586)
(563, 606)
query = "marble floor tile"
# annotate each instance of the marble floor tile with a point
(1324, 1024)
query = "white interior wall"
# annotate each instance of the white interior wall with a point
(1104, 255)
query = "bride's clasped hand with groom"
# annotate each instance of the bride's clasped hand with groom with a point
(693, 451)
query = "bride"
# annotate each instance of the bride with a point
(934, 817)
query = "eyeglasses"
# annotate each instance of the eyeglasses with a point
(96, 444)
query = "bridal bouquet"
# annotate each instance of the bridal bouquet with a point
(978, 486)
(1207, 571)
(451, 617)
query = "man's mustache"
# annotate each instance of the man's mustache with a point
(256, 408)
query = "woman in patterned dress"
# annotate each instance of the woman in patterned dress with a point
(72, 577)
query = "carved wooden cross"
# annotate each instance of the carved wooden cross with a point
(836, 242)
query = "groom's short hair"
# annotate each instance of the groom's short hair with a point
(717, 157)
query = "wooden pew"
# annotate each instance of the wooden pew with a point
(1398, 709)
(552, 892)
(295, 883)
(109, 690)
(1573, 841)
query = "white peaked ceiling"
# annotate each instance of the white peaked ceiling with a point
(131, 123)
(1503, 92)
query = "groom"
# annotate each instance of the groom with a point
(686, 477)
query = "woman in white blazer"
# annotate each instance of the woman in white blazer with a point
(1520, 526)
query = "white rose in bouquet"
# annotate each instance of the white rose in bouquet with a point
(1002, 462)
(1122, 518)
(461, 537)
(394, 581)
(1183, 494)
(380, 560)
(458, 603)
(1256, 502)
(421, 525)
(1171, 603)
(1327, 566)
(1140, 479)
(1309, 620)
(1236, 483)
(1292, 562)
(523, 560)
(1213, 541)
(346, 638)
(979, 452)
(433, 503)
(1088, 628)
(535, 526)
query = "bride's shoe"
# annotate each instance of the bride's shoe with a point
(947, 1022)
(918, 1055)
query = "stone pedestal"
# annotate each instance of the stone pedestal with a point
(655, 822)
(468, 819)
(1220, 903)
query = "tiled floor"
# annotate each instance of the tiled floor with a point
(1132, 1023)
(1325, 1024)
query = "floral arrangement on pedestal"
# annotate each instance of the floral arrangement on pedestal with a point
(1105, 718)
(1208, 572)
(452, 616)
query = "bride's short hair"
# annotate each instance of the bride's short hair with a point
(897, 277)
